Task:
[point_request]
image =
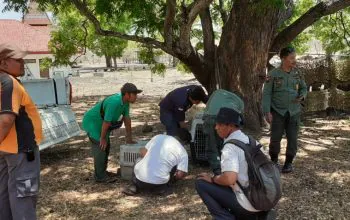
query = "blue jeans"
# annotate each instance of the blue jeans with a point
(168, 120)
(222, 203)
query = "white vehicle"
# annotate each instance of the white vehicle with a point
(53, 98)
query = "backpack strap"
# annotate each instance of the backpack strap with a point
(244, 147)
(248, 149)
(102, 113)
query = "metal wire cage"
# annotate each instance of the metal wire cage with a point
(198, 143)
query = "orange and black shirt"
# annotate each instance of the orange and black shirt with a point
(26, 132)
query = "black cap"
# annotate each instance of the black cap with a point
(130, 88)
(286, 51)
(229, 116)
(197, 93)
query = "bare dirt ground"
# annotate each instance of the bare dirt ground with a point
(318, 189)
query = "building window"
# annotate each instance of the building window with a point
(26, 61)
(44, 67)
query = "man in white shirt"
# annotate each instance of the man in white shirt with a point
(164, 160)
(221, 194)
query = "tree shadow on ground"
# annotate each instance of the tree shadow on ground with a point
(318, 189)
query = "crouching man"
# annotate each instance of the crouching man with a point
(222, 194)
(164, 160)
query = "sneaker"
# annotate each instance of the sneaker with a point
(107, 179)
(130, 191)
(287, 168)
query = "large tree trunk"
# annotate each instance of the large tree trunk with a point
(239, 64)
(108, 61)
(115, 62)
(242, 56)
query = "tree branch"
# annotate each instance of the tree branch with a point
(310, 17)
(169, 21)
(286, 14)
(345, 31)
(188, 17)
(84, 10)
(208, 34)
(222, 11)
(196, 7)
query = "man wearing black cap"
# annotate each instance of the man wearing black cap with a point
(20, 135)
(221, 194)
(104, 117)
(176, 103)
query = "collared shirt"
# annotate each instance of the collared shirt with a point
(281, 91)
(233, 160)
(114, 109)
(163, 153)
(26, 132)
(177, 102)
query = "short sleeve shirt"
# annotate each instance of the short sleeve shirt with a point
(233, 160)
(27, 129)
(163, 154)
(113, 110)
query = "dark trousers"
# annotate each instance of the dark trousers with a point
(168, 120)
(100, 159)
(154, 188)
(222, 203)
(281, 124)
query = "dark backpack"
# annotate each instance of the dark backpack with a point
(264, 190)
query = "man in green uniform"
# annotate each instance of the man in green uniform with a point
(104, 117)
(283, 92)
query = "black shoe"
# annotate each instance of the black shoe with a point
(271, 215)
(107, 179)
(275, 161)
(165, 191)
(130, 191)
(287, 168)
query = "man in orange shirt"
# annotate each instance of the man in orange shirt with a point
(20, 134)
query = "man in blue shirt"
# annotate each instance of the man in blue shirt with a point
(176, 103)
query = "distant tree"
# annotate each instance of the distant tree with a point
(74, 34)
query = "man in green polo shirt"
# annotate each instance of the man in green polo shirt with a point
(104, 117)
(283, 92)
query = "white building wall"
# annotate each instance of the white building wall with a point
(34, 68)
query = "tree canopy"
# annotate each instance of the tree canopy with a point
(74, 34)
(224, 43)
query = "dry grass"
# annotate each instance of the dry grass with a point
(319, 188)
